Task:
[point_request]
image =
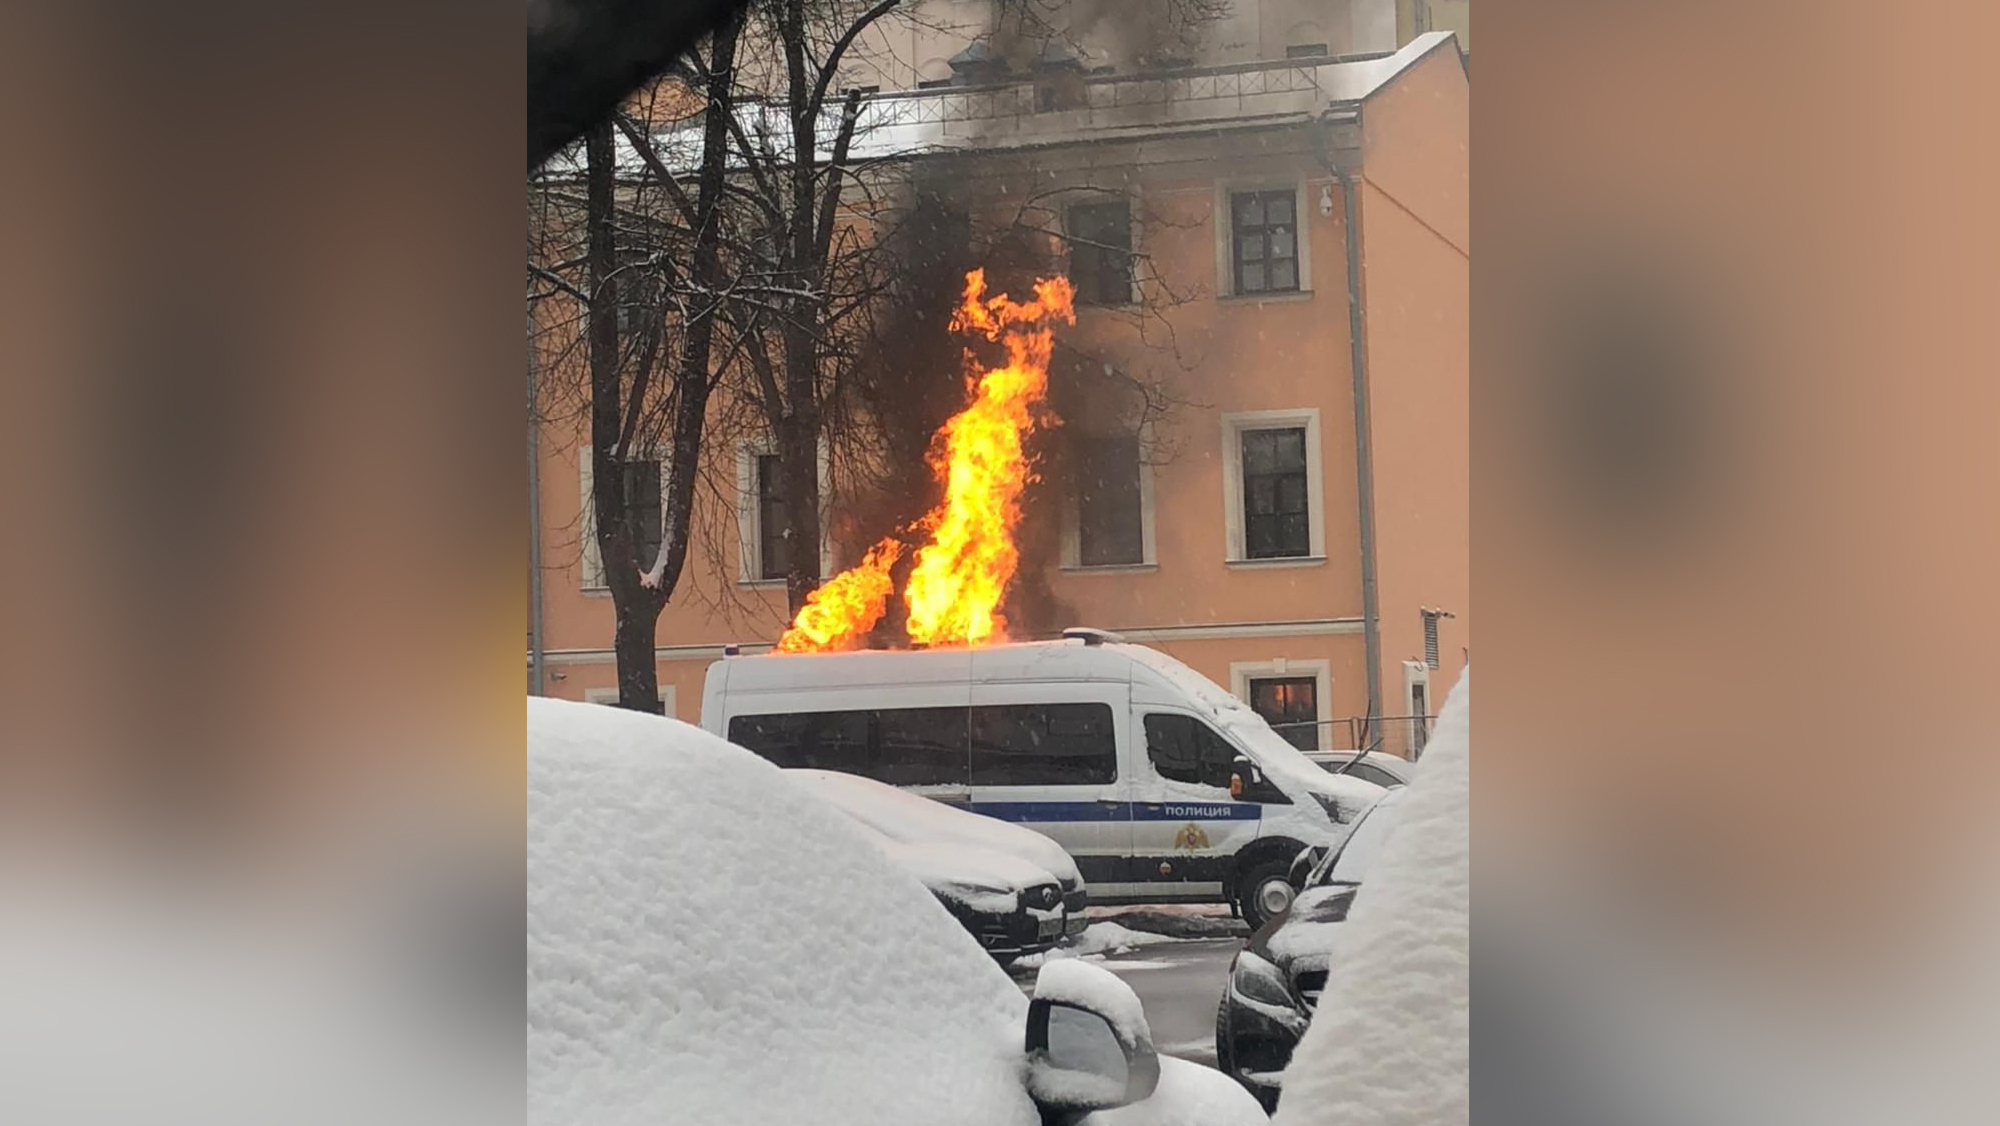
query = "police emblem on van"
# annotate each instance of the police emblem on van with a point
(1191, 836)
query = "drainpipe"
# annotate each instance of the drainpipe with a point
(537, 664)
(1342, 157)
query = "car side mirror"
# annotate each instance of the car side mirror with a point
(1245, 778)
(1088, 1044)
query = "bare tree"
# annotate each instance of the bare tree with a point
(652, 283)
(729, 245)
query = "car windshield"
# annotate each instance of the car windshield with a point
(1353, 859)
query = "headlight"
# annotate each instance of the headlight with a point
(1332, 808)
(1259, 980)
(1042, 897)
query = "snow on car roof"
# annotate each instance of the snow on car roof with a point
(708, 943)
(913, 819)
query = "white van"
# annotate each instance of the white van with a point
(1161, 785)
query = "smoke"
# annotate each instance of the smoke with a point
(1126, 33)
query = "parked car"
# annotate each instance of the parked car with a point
(1160, 784)
(1377, 767)
(1276, 979)
(709, 943)
(971, 863)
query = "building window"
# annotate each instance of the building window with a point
(1290, 704)
(1272, 481)
(1430, 638)
(1100, 252)
(774, 541)
(641, 515)
(1110, 510)
(1306, 51)
(1264, 241)
(1277, 522)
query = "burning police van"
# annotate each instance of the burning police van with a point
(1160, 784)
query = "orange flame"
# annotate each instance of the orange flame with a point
(844, 608)
(962, 573)
(955, 590)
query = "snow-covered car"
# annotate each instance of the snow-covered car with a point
(1276, 979)
(1016, 890)
(1381, 769)
(709, 943)
(1010, 906)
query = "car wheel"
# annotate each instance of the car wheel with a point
(1264, 891)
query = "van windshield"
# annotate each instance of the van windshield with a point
(1273, 752)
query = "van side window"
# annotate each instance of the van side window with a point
(919, 747)
(1043, 744)
(819, 740)
(1184, 749)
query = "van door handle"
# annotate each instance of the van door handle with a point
(1109, 803)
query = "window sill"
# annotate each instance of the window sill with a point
(1275, 564)
(761, 584)
(1276, 297)
(597, 592)
(1110, 569)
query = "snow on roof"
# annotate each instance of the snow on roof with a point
(1404, 958)
(917, 820)
(1005, 115)
(707, 943)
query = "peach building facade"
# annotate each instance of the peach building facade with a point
(1252, 540)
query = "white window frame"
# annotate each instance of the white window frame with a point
(749, 533)
(1234, 423)
(1072, 524)
(590, 563)
(1241, 673)
(668, 701)
(1225, 236)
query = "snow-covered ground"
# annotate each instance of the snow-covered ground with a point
(1097, 940)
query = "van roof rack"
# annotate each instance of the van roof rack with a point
(1090, 636)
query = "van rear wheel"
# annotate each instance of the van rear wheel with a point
(1263, 891)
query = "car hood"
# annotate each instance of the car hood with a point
(976, 877)
(916, 820)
